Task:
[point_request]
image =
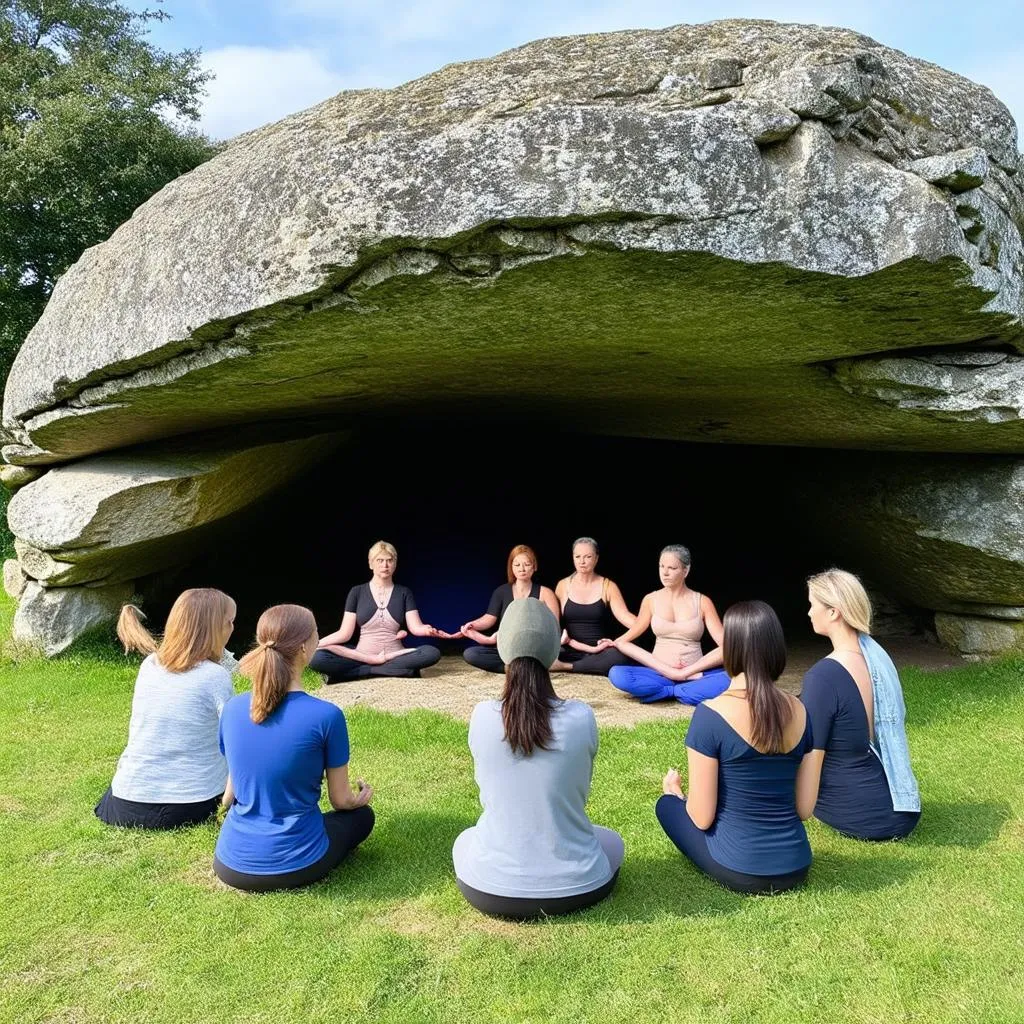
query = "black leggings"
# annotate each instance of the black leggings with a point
(345, 831)
(484, 656)
(599, 664)
(339, 669)
(693, 843)
(520, 908)
(112, 810)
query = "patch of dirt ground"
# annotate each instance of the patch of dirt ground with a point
(453, 687)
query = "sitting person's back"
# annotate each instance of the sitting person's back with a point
(534, 851)
(279, 743)
(172, 772)
(856, 795)
(533, 837)
(756, 829)
(172, 754)
(742, 820)
(277, 766)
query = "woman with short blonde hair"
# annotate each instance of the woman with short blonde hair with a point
(280, 742)
(520, 567)
(172, 772)
(863, 781)
(382, 547)
(384, 612)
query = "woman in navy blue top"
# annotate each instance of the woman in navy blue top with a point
(853, 795)
(279, 742)
(742, 821)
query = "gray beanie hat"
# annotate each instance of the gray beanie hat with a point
(529, 630)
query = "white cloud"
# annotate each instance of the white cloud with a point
(255, 85)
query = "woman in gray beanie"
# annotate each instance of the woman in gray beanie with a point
(533, 852)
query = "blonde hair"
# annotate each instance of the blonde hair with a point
(841, 590)
(194, 631)
(280, 635)
(382, 547)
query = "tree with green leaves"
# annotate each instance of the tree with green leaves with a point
(94, 119)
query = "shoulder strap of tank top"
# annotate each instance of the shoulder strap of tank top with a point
(604, 589)
(696, 596)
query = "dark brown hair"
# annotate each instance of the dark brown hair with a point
(526, 704)
(195, 631)
(280, 634)
(520, 549)
(753, 643)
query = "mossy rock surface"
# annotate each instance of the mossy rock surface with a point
(740, 232)
(600, 202)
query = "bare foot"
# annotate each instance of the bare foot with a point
(561, 666)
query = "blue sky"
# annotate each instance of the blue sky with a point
(273, 57)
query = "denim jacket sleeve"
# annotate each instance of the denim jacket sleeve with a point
(890, 726)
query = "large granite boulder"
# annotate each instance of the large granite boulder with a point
(116, 517)
(702, 205)
(939, 533)
(50, 620)
(87, 530)
(743, 231)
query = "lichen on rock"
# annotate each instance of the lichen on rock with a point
(816, 233)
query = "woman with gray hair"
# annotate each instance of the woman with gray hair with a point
(678, 617)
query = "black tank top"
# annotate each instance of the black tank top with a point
(586, 623)
(503, 596)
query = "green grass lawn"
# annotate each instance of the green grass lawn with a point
(99, 924)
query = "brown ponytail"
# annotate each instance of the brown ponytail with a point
(526, 705)
(197, 625)
(754, 645)
(280, 635)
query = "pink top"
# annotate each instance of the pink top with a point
(379, 635)
(678, 642)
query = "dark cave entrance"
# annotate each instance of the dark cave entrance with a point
(455, 497)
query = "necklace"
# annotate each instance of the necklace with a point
(381, 600)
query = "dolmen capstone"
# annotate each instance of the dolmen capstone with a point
(746, 232)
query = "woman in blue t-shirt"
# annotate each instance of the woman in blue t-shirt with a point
(747, 756)
(854, 701)
(279, 742)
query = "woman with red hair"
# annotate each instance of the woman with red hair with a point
(522, 564)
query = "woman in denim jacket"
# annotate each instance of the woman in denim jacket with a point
(854, 701)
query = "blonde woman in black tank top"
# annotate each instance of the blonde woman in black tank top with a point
(588, 602)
